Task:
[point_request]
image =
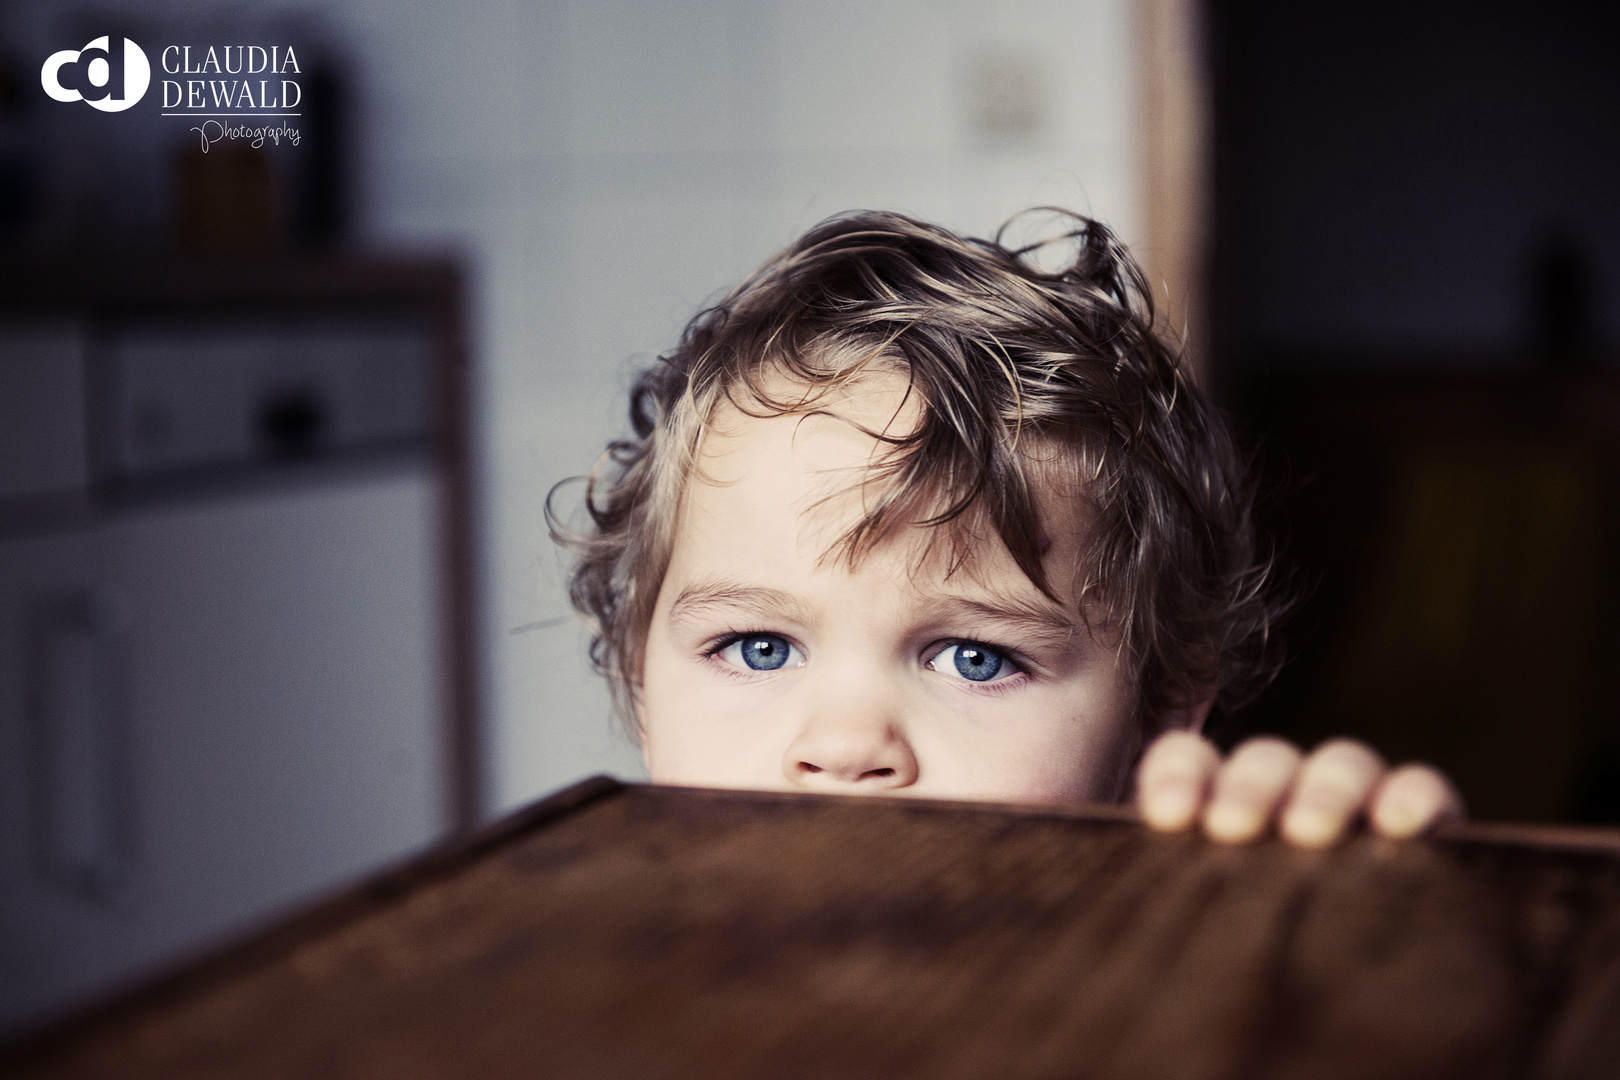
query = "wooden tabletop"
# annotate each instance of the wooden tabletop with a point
(631, 931)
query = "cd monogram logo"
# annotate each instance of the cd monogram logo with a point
(100, 76)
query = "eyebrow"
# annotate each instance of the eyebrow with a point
(1047, 625)
(766, 603)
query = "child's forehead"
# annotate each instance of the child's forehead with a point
(877, 399)
(829, 460)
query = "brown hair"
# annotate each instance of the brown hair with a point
(1000, 352)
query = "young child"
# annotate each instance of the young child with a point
(907, 514)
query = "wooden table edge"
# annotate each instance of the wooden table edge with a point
(284, 933)
(394, 883)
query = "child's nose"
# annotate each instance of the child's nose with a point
(851, 748)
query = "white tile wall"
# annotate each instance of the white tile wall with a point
(612, 164)
(607, 164)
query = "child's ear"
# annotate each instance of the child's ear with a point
(640, 732)
(1185, 716)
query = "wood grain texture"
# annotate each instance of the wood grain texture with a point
(655, 932)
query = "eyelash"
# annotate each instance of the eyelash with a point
(1020, 665)
(720, 644)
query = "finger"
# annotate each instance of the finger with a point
(1332, 787)
(1173, 780)
(1411, 799)
(1248, 789)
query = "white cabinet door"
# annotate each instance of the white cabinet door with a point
(242, 701)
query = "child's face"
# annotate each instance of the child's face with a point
(769, 666)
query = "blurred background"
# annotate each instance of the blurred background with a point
(1413, 268)
(277, 604)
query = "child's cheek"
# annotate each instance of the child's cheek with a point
(1043, 746)
(710, 728)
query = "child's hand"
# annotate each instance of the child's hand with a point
(1314, 799)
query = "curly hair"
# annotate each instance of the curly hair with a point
(1003, 355)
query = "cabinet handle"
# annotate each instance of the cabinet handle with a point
(82, 823)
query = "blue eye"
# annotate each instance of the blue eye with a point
(972, 660)
(761, 652)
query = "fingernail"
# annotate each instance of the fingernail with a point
(1401, 817)
(1170, 804)
(1231, 822)
(1310, 827)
